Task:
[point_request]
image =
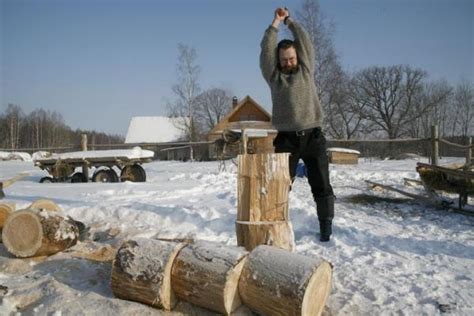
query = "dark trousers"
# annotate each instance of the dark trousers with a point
(310, 146)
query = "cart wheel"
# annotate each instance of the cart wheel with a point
(113, 175)
(134, 173)
(78, 177)
(47, 180)
(103, 175)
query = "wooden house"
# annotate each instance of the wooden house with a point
(246, 115)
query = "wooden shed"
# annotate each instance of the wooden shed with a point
(343, 156)
(247, 115)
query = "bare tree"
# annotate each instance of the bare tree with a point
(392, 97)
(13, 119)
(328, 73)
(464, 109)
(211, 107)
(344, 122)
(435, 98)
(186, 90)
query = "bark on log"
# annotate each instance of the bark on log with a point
(277, 282)
(142, 272)
(207, 274)
(5, 210)
(30, 232)
(263, 187)
(45, 204)
(252, 234)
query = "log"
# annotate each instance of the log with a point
(207, 274)
(5, 210)
(31, 233)
(251, 234)
(263, 187)
(45, 204)
(277, 282)
(141, 272)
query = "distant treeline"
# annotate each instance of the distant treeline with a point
(43, 129)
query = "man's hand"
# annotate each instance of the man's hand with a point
(280, 15)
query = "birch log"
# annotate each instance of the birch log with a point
(207, 274)
(31, 232)
(263, 187)
(141, 272)
(251, 234)
(277, 282)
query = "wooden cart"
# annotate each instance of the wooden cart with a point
(62, 167)
(449, 179)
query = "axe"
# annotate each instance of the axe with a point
(9, 182)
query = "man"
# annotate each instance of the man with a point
(288, 68)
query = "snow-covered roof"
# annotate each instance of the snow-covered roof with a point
(154, 129)
(344, 150)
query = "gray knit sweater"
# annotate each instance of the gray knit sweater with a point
(295, 102)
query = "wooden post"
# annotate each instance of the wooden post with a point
(262, 204)
(85, 167)
(434, 145)
(33, 232)
(469, 152)
(191, 153)
(278, 282)
(93, 142)
(207, 274)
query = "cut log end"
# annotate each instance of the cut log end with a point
(231, 291)
(45, 204)
(22, 233)
(317, 290)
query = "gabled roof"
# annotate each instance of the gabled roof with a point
(154, 129)
(235, 111)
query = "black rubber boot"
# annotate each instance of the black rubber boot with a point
(325, 210)
(325, 228)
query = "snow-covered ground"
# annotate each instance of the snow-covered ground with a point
(390, 255)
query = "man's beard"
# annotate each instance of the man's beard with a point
(289, 70)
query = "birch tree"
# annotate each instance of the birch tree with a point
(186, 90)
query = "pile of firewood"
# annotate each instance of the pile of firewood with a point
(221, 278)
(159, 273)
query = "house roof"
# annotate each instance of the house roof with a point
(154, 129)
(232, 118)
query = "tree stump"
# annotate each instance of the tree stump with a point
(207, 274)
(277, 282)
(263, 187)
(31, 232)
(262, 210)
(5, 210)
(278, 234)
(141, 272)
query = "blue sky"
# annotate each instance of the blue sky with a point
(100, 62)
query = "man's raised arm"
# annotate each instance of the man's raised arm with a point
(303, 44)
(269, 54)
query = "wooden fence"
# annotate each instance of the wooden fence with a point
(432, 147)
